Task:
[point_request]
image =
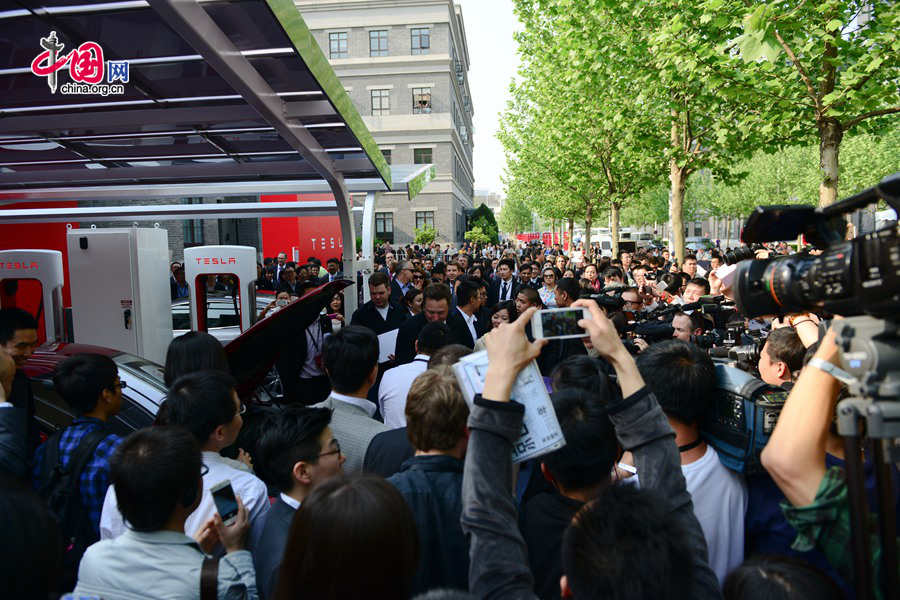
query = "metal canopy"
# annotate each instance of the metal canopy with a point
(219, 91)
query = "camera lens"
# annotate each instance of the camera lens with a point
(776, 285)
(738, 254)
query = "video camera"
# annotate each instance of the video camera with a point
(860, 276)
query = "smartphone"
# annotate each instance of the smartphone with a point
(226, 504)
(559, 323)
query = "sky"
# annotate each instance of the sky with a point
(492, 53)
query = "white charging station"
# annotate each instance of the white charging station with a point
(239, 261)
(119, 281)
(46, 267)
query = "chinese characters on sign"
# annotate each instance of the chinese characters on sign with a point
(87, 68)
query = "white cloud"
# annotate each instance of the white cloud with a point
(492, 51)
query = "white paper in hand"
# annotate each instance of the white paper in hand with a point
(387, 345)
(541, 432)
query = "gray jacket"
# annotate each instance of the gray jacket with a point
(498, 556)
(354, 429)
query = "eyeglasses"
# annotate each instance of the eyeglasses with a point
(120, 384)
(242, 409)
(337, 450)
(203, 469)
(420, 277)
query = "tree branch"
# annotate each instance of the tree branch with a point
(874, 113)
(810, 88)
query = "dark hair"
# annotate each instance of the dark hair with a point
(289, 436)
(591, 447)
(361, 521)
(432, 338)
(13, 320)
(334, 260)
(410, 296)
(531, 295)
(509, 306)
(448, 355)
(199, 402)
(624, 545)
(508, 262)
(585, 373)
(379, 278)
(784, 345)
(80, 380)
(438, 267)
(701, 282)
(779, 578)
(194, 351)
(689, 257)
(466, 291)
(682, 376)
(153, 470)
(349, 356)
(31, 556)
(570, 286)
(438, 291)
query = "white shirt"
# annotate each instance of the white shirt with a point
(383, 311)
(394, 389)
(508, 292)
(248, 486)
(292, 502)
(360, 402)
(470, 322)
(720, 504)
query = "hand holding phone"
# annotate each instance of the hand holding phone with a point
(225, 501)
(233, 535)
(559, 323)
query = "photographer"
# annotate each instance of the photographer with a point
(781, 358)
(817, 505)
(688, 325)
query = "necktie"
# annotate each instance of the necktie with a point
(503, 293)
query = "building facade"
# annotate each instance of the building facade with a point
(404, 64)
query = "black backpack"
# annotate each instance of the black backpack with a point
(59, 487)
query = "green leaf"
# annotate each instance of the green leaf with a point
(833, 25)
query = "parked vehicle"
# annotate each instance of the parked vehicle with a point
(222, 318)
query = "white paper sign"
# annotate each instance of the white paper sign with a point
(541, 432)
(387, 345)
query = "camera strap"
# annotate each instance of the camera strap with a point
(691, 445)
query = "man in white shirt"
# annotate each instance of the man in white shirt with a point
(395, 384)
(351, 363)
(207, 405)
(682, 377)
(463, 321)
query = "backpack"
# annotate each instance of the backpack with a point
(58, 487)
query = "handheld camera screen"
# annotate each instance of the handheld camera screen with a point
(226, 504)
(560, 323)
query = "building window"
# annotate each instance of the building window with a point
(421, 101)
(337, 45)
(420, 40)
(387, 156)
(424, 218)
(381, 102)
(422, 156)
(193, 230)
(378, 43)
(384, 226)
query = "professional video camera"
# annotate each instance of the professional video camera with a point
(860, 276)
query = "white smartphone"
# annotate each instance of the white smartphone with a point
(558, 323)
(226, 503)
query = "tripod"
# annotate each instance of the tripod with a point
(870, 351)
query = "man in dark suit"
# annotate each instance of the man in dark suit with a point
(435, 307)
(505, 287)
(333, 266)
(387, 452)
(463, 323)
(402, 282)
(296, 452)
(379, 314)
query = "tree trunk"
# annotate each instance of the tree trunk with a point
(588, 221)
(830, 135)
(614, 227)
(715, 228)
(570, 246)
(728, 222)
(676, 205)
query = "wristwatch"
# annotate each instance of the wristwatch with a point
(836, 372)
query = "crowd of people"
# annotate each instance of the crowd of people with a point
(376, 478)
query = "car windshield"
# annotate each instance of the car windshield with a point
(145, 370)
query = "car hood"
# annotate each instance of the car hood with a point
(252, 354)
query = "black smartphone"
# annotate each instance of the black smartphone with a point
(226, 503)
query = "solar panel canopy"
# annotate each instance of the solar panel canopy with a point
(213, 91)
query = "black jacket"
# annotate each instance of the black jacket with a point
(267, 555)
(543, 520)
(406, 338)
(459, 330)
(495, 288)
(432, 487)
(397, 294)
(387, 452)
(367, 316)
(557, 351)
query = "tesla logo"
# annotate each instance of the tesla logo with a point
(324, 243)
(216, 261)
(18, 266)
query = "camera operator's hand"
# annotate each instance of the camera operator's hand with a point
(508, 352)
(641, 344)
(605, 339)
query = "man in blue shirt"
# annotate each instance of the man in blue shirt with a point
(90, 384)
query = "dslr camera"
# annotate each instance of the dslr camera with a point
(860, 276)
